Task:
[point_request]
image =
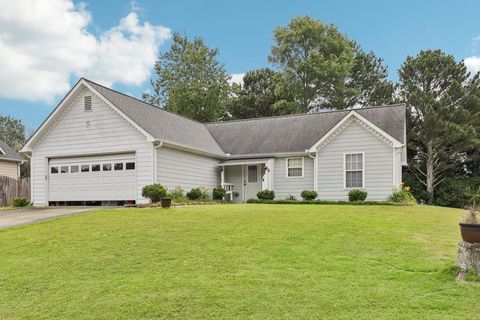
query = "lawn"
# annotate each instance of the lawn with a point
(238, 261)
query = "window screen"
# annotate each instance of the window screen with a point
(354, 170)
(295, 167)
(252, 173)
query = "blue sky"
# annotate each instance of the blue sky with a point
(242, 30)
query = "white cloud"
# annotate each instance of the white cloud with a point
(44, 43)
(472, 64)
(236, 78)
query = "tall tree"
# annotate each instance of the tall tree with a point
(323, 69)
(190, 80)
(315, 59)
(12, 132)
(256, 96)
(436, 88)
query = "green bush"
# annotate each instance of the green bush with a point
(309, 194)
(266, 195)
(218, 193)
(199, 193)
(291, 197)
(155, 192)
(402, 195)
(20, 202)
(177, 194)
(322, 202)
(357, 195)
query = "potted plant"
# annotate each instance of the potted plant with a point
(470, 227)
(166, 202)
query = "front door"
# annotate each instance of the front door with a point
(252, 181)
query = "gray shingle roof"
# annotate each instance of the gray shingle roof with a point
(161, 124)
(297, 133)
(10, 154)
(284, 134)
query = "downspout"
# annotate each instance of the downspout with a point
(315, 178)
(157, 144)
(31, 176)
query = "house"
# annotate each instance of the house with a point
(102, 146)
(10, 161)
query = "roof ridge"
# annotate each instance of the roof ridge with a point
(144, 102)
(305, 114)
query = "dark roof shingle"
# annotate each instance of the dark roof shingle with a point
(10, 154)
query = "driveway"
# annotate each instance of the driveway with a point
(17, 217)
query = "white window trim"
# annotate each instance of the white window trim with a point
(2, 152)
(303, 168)
(345, 169)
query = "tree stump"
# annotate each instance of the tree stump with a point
(468, 258)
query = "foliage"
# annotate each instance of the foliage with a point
(200, 193)
(321, 68)
(470, 216)
(457, 191)
(190, 80)
(12, 132)
(357, 195)
(177, 194)
(440, 128)
(291, 197)
(20, 202)
(266, 195)
(155, 192)
(309, 194)
(218, 193)
(257, 96)
(402, 195)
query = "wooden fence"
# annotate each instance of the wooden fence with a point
(10, 188)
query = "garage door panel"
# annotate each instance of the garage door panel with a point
(92, 185)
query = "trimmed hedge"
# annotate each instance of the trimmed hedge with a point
(367, 203)
(266, 195)
(309, 194)
(357, 195)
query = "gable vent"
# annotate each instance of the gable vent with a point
(87, 103)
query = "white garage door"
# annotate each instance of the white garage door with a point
(95, 178)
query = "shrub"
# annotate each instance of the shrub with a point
(309, 194)
(199, 193)
(154, 192)
(218, 193)
(266, 195)
(402, 195)
(291, 197)
(357, 195)
(20, 202)
(177, 194)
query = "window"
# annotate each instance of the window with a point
(73, 169)
(85, 168)
(95, 167)
(64, 169)
(130, 166)
(118, 166)
(87, 103)
(107, 167)
(252, 173)
(54, 170)
(294, 167)
(354, 170)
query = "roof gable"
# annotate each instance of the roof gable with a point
(7, 153)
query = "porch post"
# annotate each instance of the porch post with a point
(222, 177)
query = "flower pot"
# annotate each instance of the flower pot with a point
(166, 203)
(470, 232)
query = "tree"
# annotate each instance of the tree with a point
(12, 132)
(190, 80)
(314, 58)
(323, 69)
(257, 96)
(435, 88)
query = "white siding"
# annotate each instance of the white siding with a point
(189, 170)
(284, 186)
(378, 164)
(99, 131)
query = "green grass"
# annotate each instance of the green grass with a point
(238, 261)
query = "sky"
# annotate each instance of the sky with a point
(47, 45)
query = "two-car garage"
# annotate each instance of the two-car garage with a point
(98, 179)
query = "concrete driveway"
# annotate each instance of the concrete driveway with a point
(17, 217)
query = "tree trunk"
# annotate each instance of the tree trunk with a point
(430, 174)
